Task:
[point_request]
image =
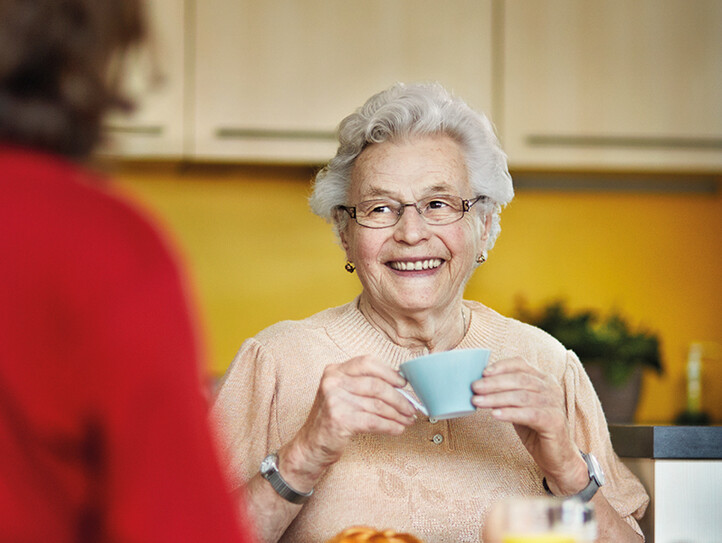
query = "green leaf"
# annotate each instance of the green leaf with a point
(608, 341)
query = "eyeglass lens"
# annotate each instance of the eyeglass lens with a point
(439, 209)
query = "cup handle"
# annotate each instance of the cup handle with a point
(413, 401)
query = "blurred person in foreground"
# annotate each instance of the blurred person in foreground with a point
(103, 426)
(414, 194)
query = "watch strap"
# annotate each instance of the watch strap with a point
(269, 470)
(585, 495)
(588, 492)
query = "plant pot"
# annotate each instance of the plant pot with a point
(619, 402)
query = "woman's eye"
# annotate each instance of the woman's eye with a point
(437, 204)
(383, 208)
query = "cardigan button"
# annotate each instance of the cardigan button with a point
(438, 439)
(433, 420)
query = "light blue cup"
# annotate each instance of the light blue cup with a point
(442, 381)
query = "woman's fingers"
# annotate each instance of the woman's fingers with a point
(512, 366)
(514, 398)
(515, 375)
(369, 366)
(359, 396)
(545, 422)
(385, 403)
(509, 381)
(374, 395)
(517, 392)
(366, 377)
(373, 416)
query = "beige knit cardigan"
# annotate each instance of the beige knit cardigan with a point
(438, 479)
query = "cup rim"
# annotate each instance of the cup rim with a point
(442, 354)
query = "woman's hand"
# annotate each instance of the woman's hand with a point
(356, 397)
(533, 402)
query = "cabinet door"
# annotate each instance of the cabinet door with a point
(273, 78)
(613, 83)
(155, 78)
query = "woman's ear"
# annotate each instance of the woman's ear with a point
(344, 240)
(486, 229)
(340, 226)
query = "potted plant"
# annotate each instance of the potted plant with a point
(613, 354)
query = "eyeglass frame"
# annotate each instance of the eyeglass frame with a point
(466, 205)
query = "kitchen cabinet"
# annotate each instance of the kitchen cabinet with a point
(274, 78)
(156, 78)
(681, 469)
(574, 85)
(612, 84)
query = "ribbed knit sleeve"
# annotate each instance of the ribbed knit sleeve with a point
(589, 427)
(245, 412)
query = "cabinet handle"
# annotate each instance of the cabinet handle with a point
(153, 130)
(268, 133)
(658, 183)
(660, 142)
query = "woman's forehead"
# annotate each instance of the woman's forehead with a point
(420, 166)
(419, 189)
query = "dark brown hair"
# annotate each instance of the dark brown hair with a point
(59, 69)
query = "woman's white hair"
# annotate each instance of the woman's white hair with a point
(405, 111)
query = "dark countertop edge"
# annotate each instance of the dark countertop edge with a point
(667, 442)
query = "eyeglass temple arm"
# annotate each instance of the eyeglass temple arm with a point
(468, 204)
(350, 210)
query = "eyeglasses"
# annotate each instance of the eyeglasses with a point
(435, 210)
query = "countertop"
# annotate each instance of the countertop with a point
(667, 442)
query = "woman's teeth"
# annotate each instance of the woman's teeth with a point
(415, 266)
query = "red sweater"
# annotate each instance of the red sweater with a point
(103, 429)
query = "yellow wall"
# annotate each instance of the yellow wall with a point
(258, 255)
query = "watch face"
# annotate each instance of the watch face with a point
(268, 464)
(597, 471)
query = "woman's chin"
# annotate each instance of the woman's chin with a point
(409, 302)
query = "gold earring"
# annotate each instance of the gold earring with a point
(481, 258)
(349, 266)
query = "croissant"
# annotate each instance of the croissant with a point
(360, 534)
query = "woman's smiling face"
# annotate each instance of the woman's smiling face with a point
(413, 266)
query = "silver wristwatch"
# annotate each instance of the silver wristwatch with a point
(596, 479)
(269, 470)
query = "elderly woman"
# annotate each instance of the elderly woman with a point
(309, 411)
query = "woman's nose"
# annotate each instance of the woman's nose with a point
(412, 226)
